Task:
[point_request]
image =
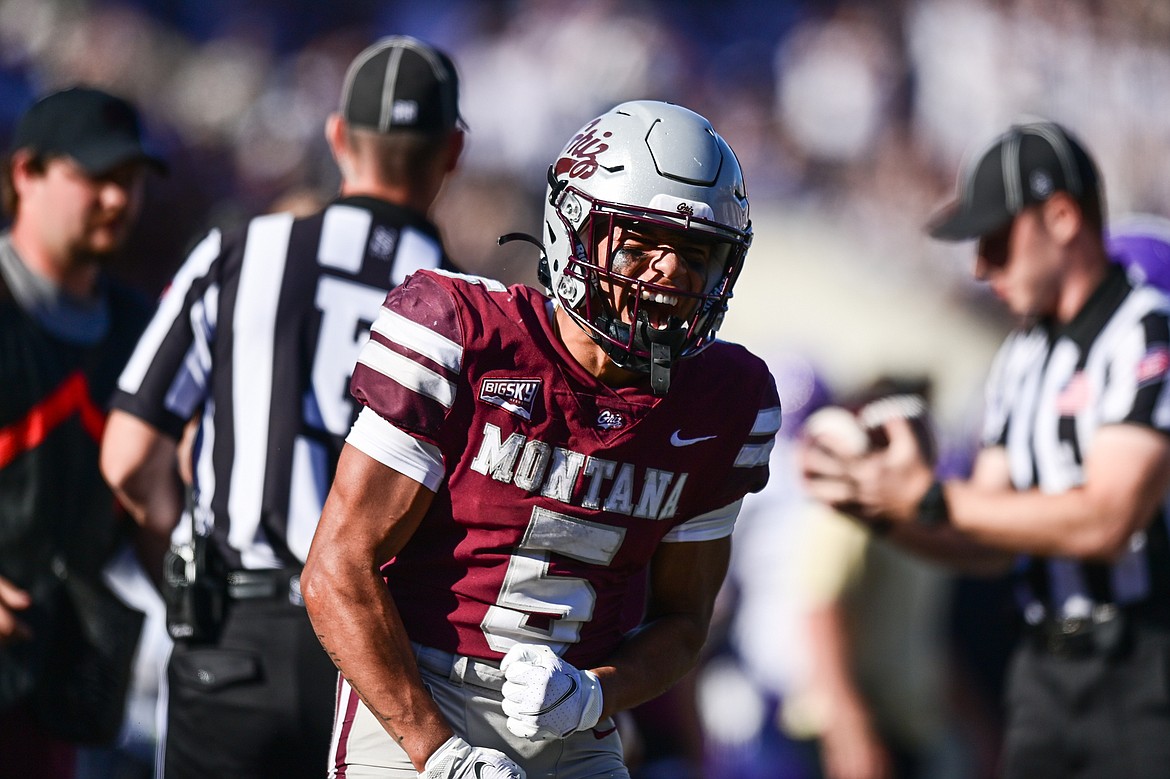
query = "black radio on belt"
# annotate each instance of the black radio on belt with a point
(194, 594)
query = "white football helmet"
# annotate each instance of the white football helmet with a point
(653, 164)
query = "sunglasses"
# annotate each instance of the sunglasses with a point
(993, 247)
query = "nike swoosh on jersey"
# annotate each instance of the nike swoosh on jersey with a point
(600, 734)
(677, 440)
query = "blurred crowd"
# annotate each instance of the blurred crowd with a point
(860, 109)
(849, 117)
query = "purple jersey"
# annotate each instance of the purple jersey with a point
(555, 489)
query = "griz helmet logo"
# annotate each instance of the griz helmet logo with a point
(580, 161)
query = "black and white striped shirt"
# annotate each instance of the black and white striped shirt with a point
(1049, 392)
(257, 336)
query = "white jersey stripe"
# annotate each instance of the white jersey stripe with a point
(415, 252)
(344, 232)
(254, 330)
(753, 455)
(408, 373)
(767, 422)
(402, 331)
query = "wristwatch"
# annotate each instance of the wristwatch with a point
(932, 509)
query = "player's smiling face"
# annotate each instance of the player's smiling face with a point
(660, 271)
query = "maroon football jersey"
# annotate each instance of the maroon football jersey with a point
(558, 489)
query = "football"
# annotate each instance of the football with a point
(857, 430)
(839, 429)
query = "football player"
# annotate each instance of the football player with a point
(532, 515)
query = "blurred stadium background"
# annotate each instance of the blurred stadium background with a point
(850, 119)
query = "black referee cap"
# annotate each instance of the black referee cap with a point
(1026, 165)
(402, 84)
(98, 130)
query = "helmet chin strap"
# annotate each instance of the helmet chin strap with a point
(665, 346)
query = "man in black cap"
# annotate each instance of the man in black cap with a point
(72, 186)
(255, 341)
(1073, 480)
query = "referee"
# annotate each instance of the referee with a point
(1073, 479)
(254, 341)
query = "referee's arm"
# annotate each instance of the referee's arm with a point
(1126, 478)
(140, 463)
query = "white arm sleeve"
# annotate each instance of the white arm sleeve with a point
(707, 527)
(395, 449)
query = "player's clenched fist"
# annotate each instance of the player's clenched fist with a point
(457, 759)
(545, 697)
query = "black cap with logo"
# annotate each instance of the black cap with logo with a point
(1024, 166)
(98, 130)
(402, 84)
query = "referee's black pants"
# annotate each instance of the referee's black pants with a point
(1093, 714)
(257, 703)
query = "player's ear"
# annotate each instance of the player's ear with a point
(23, 167)
(335, 134)
(455, 148)
(1062, 216)
(338, 137)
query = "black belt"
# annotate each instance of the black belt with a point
(265, 584)
(1102, 633)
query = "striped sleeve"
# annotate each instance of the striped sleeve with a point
(706, 527)
(749, 459)
(761, 439)
(167, 377)
(1138, 388)
(408, 371)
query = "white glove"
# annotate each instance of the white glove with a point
(457, 759)
(545, 697)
